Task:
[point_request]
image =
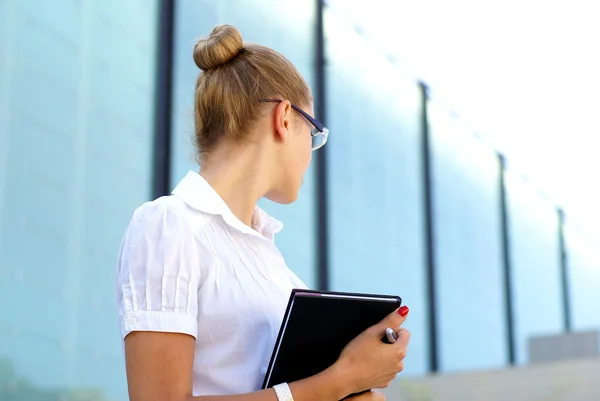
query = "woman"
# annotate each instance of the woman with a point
(201, 286)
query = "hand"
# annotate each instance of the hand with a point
(367, 363)
(369, 396)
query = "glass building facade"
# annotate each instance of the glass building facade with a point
(80, 90)
(77, 87)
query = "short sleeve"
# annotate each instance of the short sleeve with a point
(158, 272)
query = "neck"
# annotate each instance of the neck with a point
(239, 177)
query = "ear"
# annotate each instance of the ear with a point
(283, 116)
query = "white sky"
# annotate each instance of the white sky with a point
(523, 73)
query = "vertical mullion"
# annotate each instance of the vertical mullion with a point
(163, 100)
(564, 273)
(429, 230)
(506, 262)
(322, 226)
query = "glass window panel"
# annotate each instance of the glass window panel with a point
(374, 178)
(535, 261)
(584, 278)
(469, 275)
(286, 26)
(76, 108)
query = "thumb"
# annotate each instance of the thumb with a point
(394, 319)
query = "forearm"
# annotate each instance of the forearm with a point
(329, 385)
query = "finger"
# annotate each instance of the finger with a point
(403, 335)
(394, 319)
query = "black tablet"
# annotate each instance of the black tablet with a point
(317, 326)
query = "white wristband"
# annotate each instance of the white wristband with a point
(283, 392)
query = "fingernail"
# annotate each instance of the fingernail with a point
(403, 311)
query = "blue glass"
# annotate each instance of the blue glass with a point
(374, 179)
(76, 108)
(584, 278)
(535, 259)
(469, 278)
(259, 22)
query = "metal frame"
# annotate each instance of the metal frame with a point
(506, 261)
(429, 230)
(322, 201)
(564, 271)
(163, 100)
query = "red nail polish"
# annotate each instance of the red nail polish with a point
(403, 311)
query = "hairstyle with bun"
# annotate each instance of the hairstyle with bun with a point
(234, 77)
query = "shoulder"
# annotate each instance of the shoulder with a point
(168, 214)
(164, 228)
(161, 238)
(161, 207)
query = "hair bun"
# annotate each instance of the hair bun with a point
(223, 44)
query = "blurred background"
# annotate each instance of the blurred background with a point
(461, 174)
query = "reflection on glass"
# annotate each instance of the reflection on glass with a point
(15, 387)
(259, 22)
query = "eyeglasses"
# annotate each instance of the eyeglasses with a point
(319, 133)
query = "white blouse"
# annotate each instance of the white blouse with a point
(188, 265)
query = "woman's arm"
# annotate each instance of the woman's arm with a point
(155, 362)
(160, 365)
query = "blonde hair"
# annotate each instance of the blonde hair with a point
(234, 77)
